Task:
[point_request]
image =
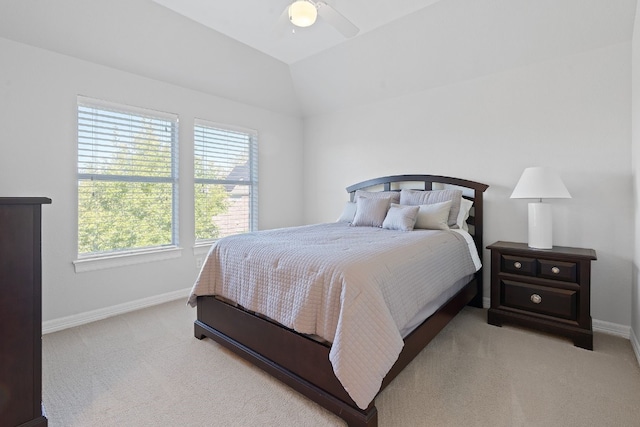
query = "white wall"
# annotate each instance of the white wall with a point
(38, 90)
(571, 114)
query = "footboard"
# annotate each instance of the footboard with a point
(303, 363)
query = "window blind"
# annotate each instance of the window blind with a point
(127, 177)
(225, 178)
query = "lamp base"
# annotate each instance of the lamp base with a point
(540, 226)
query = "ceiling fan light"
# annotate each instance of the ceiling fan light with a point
(302, 13)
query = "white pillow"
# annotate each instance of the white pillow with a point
(370, 212)
(463, 215)
(420, 197)
(401, 217)
(434, 216)
(348, 212)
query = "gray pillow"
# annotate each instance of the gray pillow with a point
(401, 217)
(393, 196)
(418, 197)
(370, 212)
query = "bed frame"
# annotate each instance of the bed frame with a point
(303, 363)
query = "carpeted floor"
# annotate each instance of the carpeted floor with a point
(146, 369)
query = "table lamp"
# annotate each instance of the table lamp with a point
(540, 183)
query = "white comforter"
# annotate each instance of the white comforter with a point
(356, 287)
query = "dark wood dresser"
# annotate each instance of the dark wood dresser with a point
(544, 289)
(21, 312)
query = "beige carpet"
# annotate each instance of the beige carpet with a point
(146, 369)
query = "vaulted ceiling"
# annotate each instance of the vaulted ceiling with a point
(227, 48)
(264, 25)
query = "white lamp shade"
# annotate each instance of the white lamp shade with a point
(302, 13)
(540, 183)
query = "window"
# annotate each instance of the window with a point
(127, 178)
(226, 180)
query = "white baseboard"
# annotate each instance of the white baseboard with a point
(103, 313)
(611, 328)
(635, 344)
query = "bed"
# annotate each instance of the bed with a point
(314, 351)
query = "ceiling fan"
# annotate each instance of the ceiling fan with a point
(303, 13)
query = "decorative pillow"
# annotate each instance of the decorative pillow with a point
(418, 197)
(401, 217)
(434, 216)
(393, 196)
(370, 212)
(463, 215)
(348, 212)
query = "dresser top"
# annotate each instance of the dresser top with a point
(25, 200)
(556, 250)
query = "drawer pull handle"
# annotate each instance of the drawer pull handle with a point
(555, 270)
(517, 264)
(536, 299)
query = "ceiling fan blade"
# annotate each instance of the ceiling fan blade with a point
(335, 18)
(283, 24)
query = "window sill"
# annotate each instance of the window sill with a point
(129, 258)
(202, 248)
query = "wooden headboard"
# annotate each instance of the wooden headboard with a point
(471, 190)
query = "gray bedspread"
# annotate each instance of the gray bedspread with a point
(355, 287)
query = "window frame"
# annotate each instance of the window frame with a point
(126, 256)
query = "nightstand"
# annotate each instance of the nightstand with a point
(543, 289)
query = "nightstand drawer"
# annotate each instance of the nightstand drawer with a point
(518, 265)
(558, 270)
(540, 299)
